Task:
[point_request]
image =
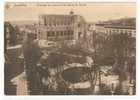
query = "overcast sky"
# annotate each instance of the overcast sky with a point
(92, 12)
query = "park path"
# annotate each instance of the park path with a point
(21, 82)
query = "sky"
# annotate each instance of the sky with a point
(91, 12)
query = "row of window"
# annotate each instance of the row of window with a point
(56, 23)
(59, 38)
(120, 31)
(59, 33)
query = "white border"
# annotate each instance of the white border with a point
(1, 48)
(66, 97)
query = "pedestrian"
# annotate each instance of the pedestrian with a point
(32, 54)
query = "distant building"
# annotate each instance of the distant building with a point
(121, 26)
(100, 28)
(126, 26)
(24, 28)
(53, 28)
(107, 30)
(129, 30)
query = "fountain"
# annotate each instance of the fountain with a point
(75, 74)
(78, 78)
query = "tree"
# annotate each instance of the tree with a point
(18, 34)
(10, 32)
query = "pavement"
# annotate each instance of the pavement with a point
(21, 84)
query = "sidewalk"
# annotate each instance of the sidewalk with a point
(21, 84)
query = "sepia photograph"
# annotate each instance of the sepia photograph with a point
(70, 48)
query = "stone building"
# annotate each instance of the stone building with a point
(53, 28)
(120, 26)
(129, 30)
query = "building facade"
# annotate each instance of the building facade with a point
(129, 30)
(120, 26)
(108, 30)
(53, 28)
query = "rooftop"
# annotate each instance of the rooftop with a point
(120, 27)
(123, 23)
